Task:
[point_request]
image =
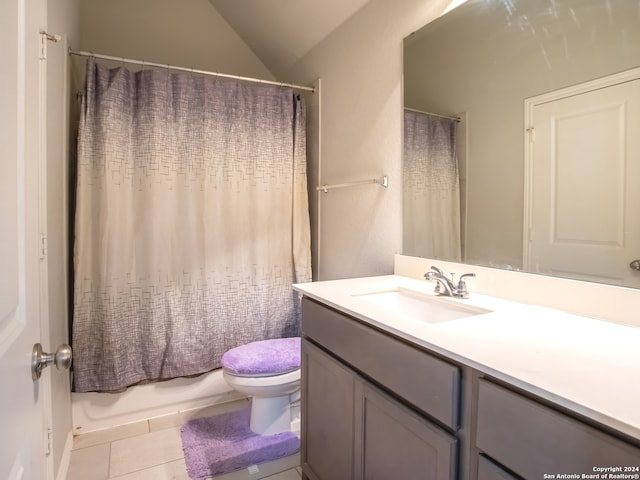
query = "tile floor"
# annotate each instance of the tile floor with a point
(152, 450)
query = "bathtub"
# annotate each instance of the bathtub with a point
(98, 411)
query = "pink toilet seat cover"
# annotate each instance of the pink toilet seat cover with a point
(263, 358)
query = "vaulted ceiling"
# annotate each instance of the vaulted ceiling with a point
(280, 32)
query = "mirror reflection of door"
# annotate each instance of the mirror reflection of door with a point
(583, 168)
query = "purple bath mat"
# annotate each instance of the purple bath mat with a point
(224, 443)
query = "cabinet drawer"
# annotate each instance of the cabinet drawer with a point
(532, 440)
(430, 384)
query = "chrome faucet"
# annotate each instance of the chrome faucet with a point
(446, 286)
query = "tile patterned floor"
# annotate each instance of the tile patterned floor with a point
(152, 450)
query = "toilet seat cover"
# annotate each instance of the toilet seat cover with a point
(263, 358)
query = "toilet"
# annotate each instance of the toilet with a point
(268, 371)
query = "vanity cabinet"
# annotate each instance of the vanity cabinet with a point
(352, 426)
(532, 439)
(375, 406)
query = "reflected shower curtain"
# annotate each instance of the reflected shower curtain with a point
(191, 223)
(431, 186)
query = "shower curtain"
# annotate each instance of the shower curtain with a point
(431, 186)
(191, 223)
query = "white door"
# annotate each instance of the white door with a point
(21, 399)
(584, 165)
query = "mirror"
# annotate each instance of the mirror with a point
(481, 62)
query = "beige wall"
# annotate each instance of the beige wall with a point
(186, 33)
(360, 66)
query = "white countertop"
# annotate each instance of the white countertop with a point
(589, 366)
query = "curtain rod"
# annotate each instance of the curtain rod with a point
(192, 70)
(457, 119)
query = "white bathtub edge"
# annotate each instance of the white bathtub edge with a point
(98, 411)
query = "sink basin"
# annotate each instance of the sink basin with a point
(427, 308)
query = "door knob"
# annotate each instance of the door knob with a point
(635, 264)
(40, 359)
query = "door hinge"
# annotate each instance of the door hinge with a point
(43, 46)
(43, 246)
(532, 133)
(48, 438)
(44, 38)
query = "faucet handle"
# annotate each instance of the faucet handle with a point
(462, 285)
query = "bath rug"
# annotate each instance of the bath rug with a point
(224, 443)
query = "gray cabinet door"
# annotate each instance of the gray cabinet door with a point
(394, 442)
(328, 390)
